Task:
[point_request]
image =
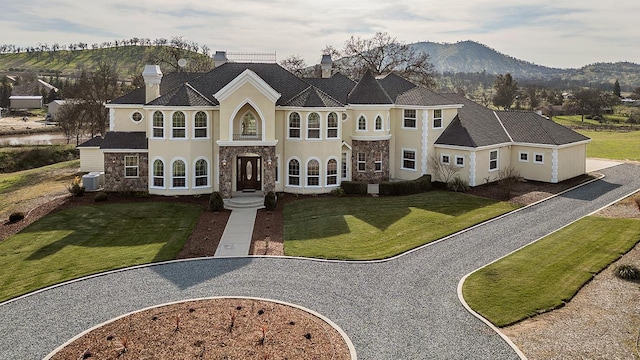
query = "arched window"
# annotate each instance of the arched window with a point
(158, 173)
(200, 126)
(178, 125)
(332, 125)
(313, 173)
(201, 176)
(378, 122)
(362, 123)
(294, 172)
(313, 126)
(294, 125)
(332, 172)
(249, 124)
(179, 174)
(158, 124)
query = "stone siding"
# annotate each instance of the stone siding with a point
(114, 173)
(370, 148)
(230, 153)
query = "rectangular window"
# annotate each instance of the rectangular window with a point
(409, 119)
(460, 161)
(130, 166)
(523, 156)
(409, 159)
(158, 126)
(378, 162)
(332, 172)
(437, 119)
(445, 159)
(294, 173)
(332, 126)
(362, 162)
(200, 126)
(277, 167)
(493, 160)
(538, 158)
(344, 170)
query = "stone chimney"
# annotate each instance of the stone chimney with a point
(220, 58)
(152, 77)
(325, 64)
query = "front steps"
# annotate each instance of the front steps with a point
(245, 200)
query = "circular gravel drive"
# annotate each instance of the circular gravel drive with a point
(404, 308)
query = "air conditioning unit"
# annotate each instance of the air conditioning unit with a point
(91, 181)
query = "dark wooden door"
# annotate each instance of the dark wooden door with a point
(248, 174)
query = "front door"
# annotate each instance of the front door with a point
(248, 174)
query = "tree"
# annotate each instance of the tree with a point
(382, 55)
(167, 56)
(295, 64)
(591, 101)
(506, 91)
(616, 88)
(636, 93)
(533, 94)
(5, 92)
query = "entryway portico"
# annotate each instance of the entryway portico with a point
(247, 168)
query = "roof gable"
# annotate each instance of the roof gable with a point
(313, 97)
(395, 85)
(184, 95)
(368, 91)
(337, 86)
(248, 77)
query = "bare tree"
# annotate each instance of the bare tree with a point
(444, 171)
(295, 64)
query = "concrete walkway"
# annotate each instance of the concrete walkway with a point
(600, 164)
(236, 238)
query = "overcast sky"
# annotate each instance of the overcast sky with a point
(570, 33)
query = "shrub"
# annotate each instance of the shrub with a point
(16, 216)
(627, 272)
(141, 194)
(270, 201)
(409, 187)
(354, 187)
(509, 177)
(458, 185)
(339, 192)
(76, 189)
(101, 196)
(215, 202)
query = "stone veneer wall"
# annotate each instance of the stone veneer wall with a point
(370, 148)
(230, 153)
(114, 173)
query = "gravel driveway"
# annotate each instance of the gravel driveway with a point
(404, 308)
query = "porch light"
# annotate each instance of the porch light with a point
(224, 162)
(269, 161)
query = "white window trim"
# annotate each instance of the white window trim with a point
(375, 161)
(171, 128)
(381, 123)
(366, 123)
(207, 127)
(208, 173)
(306, 175)
(337, 128)
(442, 159)
(347, 164)
(278, 169)
(520, 153)
(300, 173)
(289, 127)
(404, 117)
(141, 118)
(459, 157)
(186, 174)
(415, 159)
(433, 120)
(164, 123)
(337, 175)
(497, 160)
(152, 174)
(137, 167)
(534, 158)
(319, 138)
(358, 162)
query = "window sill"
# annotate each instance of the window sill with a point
(408, 169)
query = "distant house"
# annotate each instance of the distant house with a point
(25, 102)
(258, 127)
(54, 107)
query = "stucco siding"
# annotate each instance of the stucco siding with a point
(533, 163)
(572, 161)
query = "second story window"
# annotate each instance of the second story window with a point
(313, 126)
(178, 125)
(409, 119)
(294, 125)
(158, 124)
(437, 119)
(378, 122)
(362, 123)
(332, 125)
(249, 126)
(200, 125)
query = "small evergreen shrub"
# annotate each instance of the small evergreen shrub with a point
(16, 216)
(458, 185)
(409, 187)
(101, 196)
(627, 272)
(270, 201)
(354, 187)
(142, 194)
(215, 202)
(339, 192)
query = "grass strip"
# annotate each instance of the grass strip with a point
(548, 273)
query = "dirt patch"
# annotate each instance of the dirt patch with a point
(213, 329)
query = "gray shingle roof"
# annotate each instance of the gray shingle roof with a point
(368, 91)
(93, 142)
(169, 82)
(313, 97)
(337, 86)
(420, 96)
(395, 85)
(184, 95)
(115, 140)
(529, 127)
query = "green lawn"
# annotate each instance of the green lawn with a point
(545, 274)
(90, 239)
(615, 145)
(380, 227)
(576, 121)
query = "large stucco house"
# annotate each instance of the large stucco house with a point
(256, 126)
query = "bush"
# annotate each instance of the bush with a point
(101, 196)
(16, 216)
(270, 201)
(627, 272)
(458, 185)
(339, 192)
(75, 188)
(409, 187)
(354, 187)
(215, 202)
